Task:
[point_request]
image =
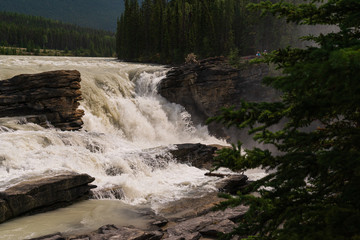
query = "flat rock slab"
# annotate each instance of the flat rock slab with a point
(44, 194)
(44, 97)
(208, 225)
(109, 232)
(186, 208)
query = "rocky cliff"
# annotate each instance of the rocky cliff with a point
(205, 87)
(45, 97)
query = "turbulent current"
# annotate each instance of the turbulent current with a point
(126, 124)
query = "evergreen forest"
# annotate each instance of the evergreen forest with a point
(311, 190)
(97, 14)
(35, 35)
(167, 31)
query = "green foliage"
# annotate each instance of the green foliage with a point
(18, 30)
(312, 188)
(166, 31)
(96, 14)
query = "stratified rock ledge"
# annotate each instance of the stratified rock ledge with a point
(205, 87)
(49, 97)
(44, 194)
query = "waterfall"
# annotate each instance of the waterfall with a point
(128, 130)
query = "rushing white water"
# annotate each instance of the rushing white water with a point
(128, 129)
(125, 119)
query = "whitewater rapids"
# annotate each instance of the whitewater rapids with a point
(127, 132)
(125, 122)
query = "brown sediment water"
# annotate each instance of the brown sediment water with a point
(124, 124)
(76, 219)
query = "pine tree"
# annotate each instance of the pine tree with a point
(312, 187)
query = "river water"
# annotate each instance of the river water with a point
(126, 124)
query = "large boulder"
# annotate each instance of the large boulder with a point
(209, 225)
(205, 87)
(45, 97)
(195, 154)
(44, 194)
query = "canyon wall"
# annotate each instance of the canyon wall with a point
(205, 87)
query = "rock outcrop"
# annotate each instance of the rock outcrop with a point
(48, 97)
(195, 154)
(207, 226)
(43, 194)
(109, 232)
(205, 87)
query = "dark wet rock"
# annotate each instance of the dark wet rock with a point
(113, 171)
(40, 195)
(5, 211)
(49, 97)
(185, 219)
(222, 227)
(233, 183)
(160, 221)
(186, 208)
(195, 154)
(208, 225)
(185, 236)
(206, 87)
(119, 233)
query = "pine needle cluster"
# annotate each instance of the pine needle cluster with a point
(312, 189)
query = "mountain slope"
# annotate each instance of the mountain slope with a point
(98, 14)
(34, 32)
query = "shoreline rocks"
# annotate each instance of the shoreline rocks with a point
(49, 97)
(187, 218)
(40, 195)
(173, 225)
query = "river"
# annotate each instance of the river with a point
(125, 120)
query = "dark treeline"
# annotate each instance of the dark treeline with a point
(166, 31)
(34, 33)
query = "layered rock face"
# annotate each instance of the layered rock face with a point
(44, 194)
(205, 87)
(45, 97)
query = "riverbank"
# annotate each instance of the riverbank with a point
(45, 52)
(127, 134)
(188, 218)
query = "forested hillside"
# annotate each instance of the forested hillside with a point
(166, 31)
(98, 14)
(35, 33)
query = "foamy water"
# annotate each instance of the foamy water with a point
(128, 130)
(124, 120)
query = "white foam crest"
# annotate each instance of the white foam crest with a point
(125, 119)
